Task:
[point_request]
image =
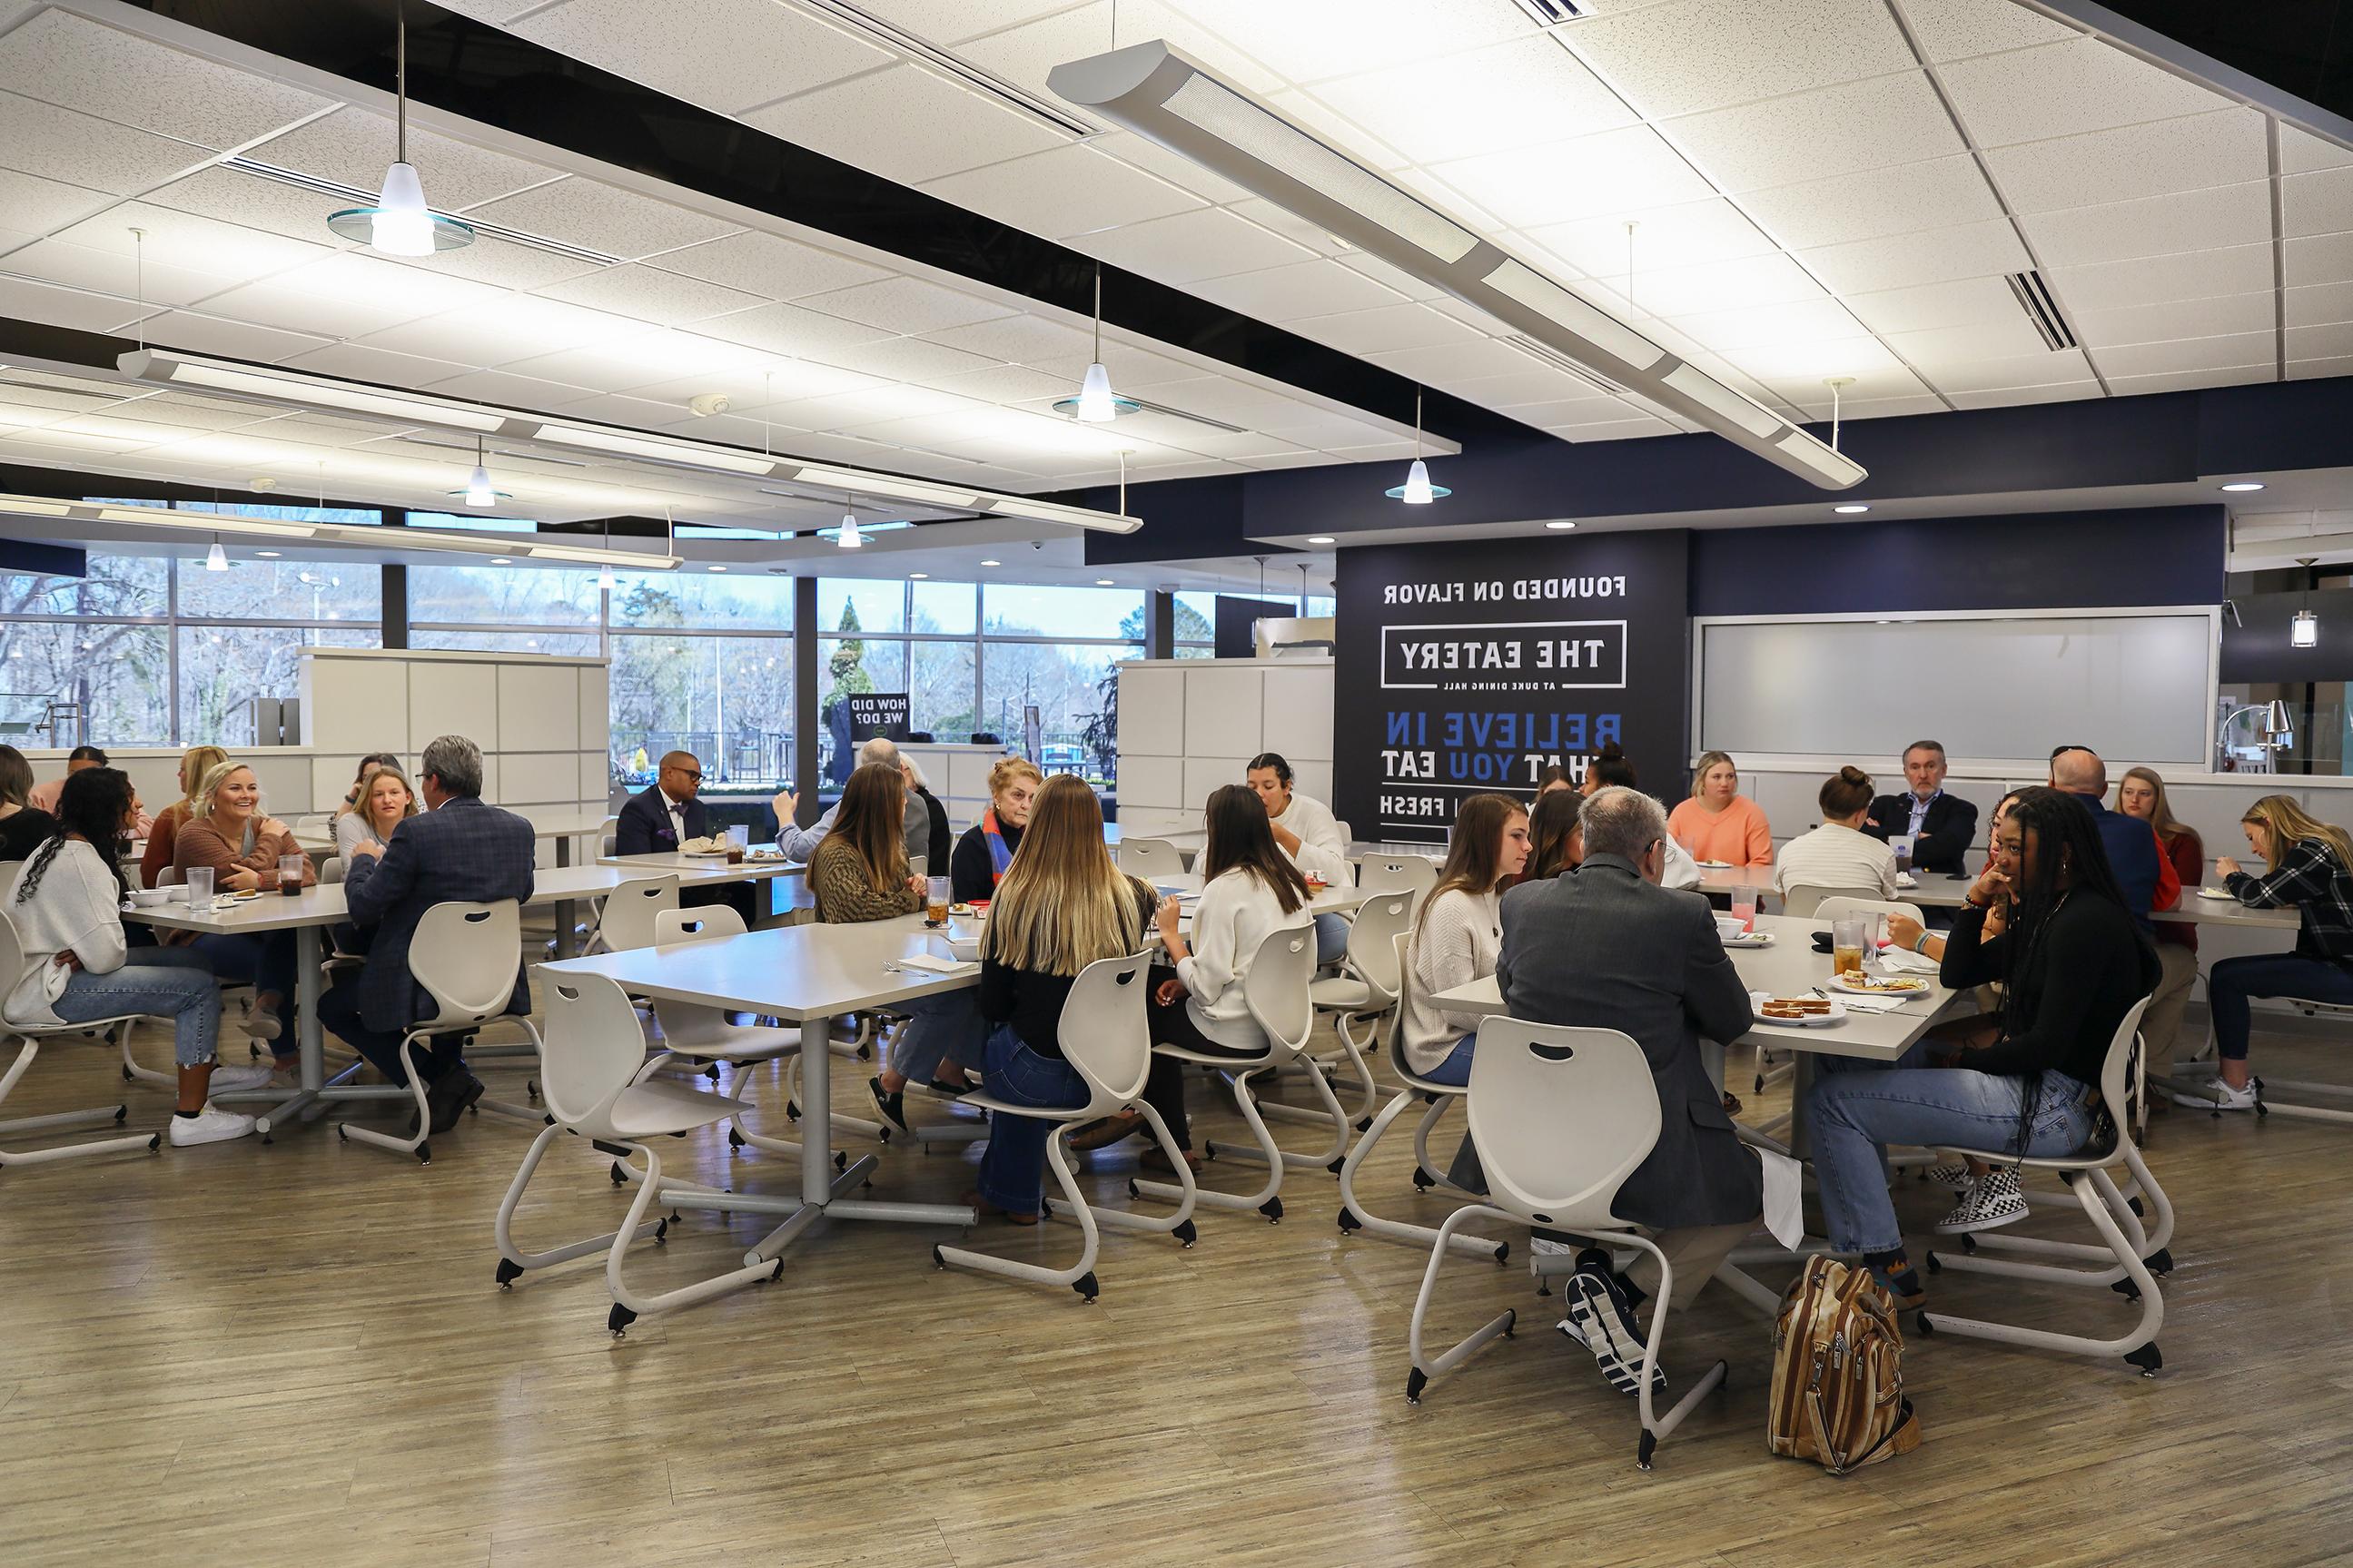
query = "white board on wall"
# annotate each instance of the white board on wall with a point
(2130, 683)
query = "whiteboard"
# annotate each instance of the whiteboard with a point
(2136, 685)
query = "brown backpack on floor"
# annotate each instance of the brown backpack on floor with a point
(1838, 1372)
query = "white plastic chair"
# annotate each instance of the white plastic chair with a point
(1414, 874)
(592, 1062)
(2264, 1105)
(1353, 1216)
(1367, 986)
(1560, 1118)
(2122, 1263)
(466, 955)
(29, 1036)
(1839, 906)
(701, 1035)
(1803, 902)
(1107, 1040)
(331, 870)
(628, 920)
(1154, 859)
(1275, 989)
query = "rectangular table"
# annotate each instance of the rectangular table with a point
(1938, 889)
(561, 829)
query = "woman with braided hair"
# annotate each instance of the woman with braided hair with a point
(2073, 963)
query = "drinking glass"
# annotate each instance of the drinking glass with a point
(290, 875)
(1902, 843)
(935, 911)
(1847, 944)
(199, 879)
(1743, 906)
(739, 839)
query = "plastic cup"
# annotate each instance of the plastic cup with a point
(1849, 939)
(1743, 907)
(200, 886)
(1902, 843)
(290, 875)
(935, 911)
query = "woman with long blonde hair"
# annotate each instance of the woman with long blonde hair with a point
(2310, 869)
(194, 763)
(1062, 905)
(382, 802)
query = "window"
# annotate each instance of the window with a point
(308, 591)
(224, 667)
(121, 676)
(465, 598)
(727, 699)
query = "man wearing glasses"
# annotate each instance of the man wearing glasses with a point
(658, 819)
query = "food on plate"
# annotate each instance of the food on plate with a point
(1795, 1008)
(960, 908)
(703, 846)
(1861, 982)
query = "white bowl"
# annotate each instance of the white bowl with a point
(148, 898)
(1728, 926)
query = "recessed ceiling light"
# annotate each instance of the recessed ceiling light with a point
(1560, 522)
(500, 560)
(1104, 583)
(1851, 509)
(2241, 487)
(1321, 539)
(715, 568)
(992, 563)
(919, 576)
(268, 555)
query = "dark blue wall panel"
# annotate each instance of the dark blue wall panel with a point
(48, 560)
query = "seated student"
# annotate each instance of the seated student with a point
(230, 832)
(1306, 831)
(22, 829)
(2141, 794)
(1905, 933)
(358, 791)
(1941, 825)
(1839, 853)
(2310, 869)
(985, 850)
(1718, 823)
(66, 904)
(384, 802)
(44, 796)
(1611, 766)
(1062, 905)
(1556, 839)
(2073, 961)
(1459, 933)
(195, 762)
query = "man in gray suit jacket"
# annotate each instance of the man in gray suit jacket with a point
(1609, 948)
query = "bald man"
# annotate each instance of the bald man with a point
(657, 820)
(2142, 867)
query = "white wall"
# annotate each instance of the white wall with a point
(957, 775)
(1188, 725)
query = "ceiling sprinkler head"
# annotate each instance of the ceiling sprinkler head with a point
(708, 404)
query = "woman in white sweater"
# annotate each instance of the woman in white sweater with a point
(65, 906)
(1839, 854)
(383, 803)
(1306, 831)
(1460, 932)
(1250, 889)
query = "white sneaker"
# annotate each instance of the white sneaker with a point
(1956, 1175)
(1992, 1203)
(260, 1023)
(2216, 1095)
(229, 1081)
(210, 1125)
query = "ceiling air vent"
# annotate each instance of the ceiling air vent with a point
(1562, 362)
(900, 41)
(2034, 299)
(1553, 13)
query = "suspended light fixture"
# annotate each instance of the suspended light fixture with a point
(2304, 630)
(216, 559)
(1417, 490)
(1096, 403)
(849, 538)
(400, 224)
(478, 491)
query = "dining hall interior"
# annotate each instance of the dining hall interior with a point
(970, 782)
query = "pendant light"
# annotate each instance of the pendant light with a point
(1096, 403)
(400, 224)
(604, 568)
(478, 491)
(1417, 490)
(216, 559)
(2304, 630)
(849, 538)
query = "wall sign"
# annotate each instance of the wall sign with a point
(882, 714)
(1466, 668)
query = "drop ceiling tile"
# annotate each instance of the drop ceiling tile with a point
(2319, 202)
(66, 59)
(509, 391)
(2020, 396)
(2190, 153)
(1611, 171)
(1699, 55)
(601, 218)
(2319, 342)
(649, 358)
(2318, 259)
(39, 206)
(226, 251)
(1520, 91)
(1132, 367)
(2151, 226)
(634, 413)
(1396, 279)
(1328, 125)
(2322, 305)
(355, 363)
(1018, 339)
(1070, 191)
(726, 55)
(105, 272)
(2232, 313)
(1638, 427)
(1724, 286)
(1288, 224)
(83, 311)
(323, 309)
(767, 385)
(2004, 337)
(1869, 124)
(648, 295)
(502, 265)
(2190, 380)
(205, 334)
(1529, 383)
(1310, 43)
(875, 405)
(354, 146)
(1928, 306)
(2156, 279)
(904, 359)
(1000, 384)
(1300, 288)
(504, 328)
(2065, 88)
(1591, 410)
(791, 329)
(1151, 158)
(768, 265)
(906, 305)
(1810, 362)
(1209, 242)
(1931, 255)
(1466, 361)
(1937, 194)
(1404, 326)
(59, 144)
(1963, 29)
(1757, 326)
(891, 122)
(2043, 369)
(2320, 369)
(2301, 152)
(1680, 235)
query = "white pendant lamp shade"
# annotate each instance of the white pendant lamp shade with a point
(216, 559)
(604, 578)
(851, 538)
(1096, 403)
(1416, 490)
(2305, 632)
(400, 224)
(478, 491)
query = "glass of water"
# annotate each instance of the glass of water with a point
(200, 886)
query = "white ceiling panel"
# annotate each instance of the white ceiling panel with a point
(2318, 203)
(2016, 396)
(1019, 340)
(1402, 326)
(790, 329)
(1284, 292)
(1207, 242)
(197, 243)
(1928, 306)
(234, 340)
(513, 391)
(1868, 124)
(1684, 235)
(1931, 255)
(1611, 171)
(768, 265)
(503, 328)
(908, 358)
(1963, 29)
(645, 294)
(1310, 42)
(504, 265)
(2189, 380)
(2064, 89)
(2025, 370)
(2320, 306)
(728, 54)
(1073, 190)
(57, 143)
(2001, 337)
(2154, 280)
(1680, 292)
(354, 146)
(2307, 344)
(2178, 319)
(110, 273)
(2321, 258)
(1816, 358)
(1533, 90)
(2192, 353)
(906, 305)
(1936, 194)
(2168, 156)
(75, 308)
(600, 216)
(2152, 226)
(887, 121)
(355, 361)
(1452, 362)
(1000, 384)
(1694, 55)
(1757, 326)
(37, 205)
(75, 63)
(2301, 152)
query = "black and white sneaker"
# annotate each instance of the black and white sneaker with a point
(1992, 1203)
(1956, 1176)
(1602, 1320)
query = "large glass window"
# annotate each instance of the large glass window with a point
(467, 598)
(224, 667)
(283, 590)
(118, 675)
(727, 699)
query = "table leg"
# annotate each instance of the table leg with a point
(309, 1034)
(1801, 1121)
(564, 850)
(567, 914)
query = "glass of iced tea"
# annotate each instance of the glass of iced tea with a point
(936, 905)
(1847, 945)
(290, 875)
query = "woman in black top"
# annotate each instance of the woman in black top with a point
(22, 829)
(1063, 906)
(985, 853)
(2073, 963)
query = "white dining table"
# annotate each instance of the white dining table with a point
(1331, 899)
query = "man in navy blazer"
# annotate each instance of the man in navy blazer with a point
(458, 850)
(658, 819)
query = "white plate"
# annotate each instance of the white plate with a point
(1837, 1015)
(1713, 865)
(2218, 893)
(1839, 983)
(1750, 939)
(1906, 880)
(704, 854)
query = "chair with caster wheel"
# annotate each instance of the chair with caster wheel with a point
(1353, 1216)
(2120, 1263)
(29, 1036)
(594, 1076)
(465, 956)
(1560, 1118)
(1107, 1040)
(1366, 988)
(700, 1035)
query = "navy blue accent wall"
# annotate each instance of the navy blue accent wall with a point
(48, 560)
(2143, 555)
(2260, 645)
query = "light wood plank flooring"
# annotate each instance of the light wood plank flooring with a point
(295, 1354)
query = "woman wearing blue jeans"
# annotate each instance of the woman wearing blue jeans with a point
(2074, 963)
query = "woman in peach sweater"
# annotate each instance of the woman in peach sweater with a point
(1719, 822)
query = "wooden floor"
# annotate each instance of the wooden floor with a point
(296, 1354)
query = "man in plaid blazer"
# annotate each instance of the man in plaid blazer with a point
(459, 849)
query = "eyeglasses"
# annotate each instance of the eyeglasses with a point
(694, 774)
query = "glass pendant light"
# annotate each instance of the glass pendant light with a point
(851, 539)
(478, 491)
(216, 559)
(400, 224)
(2304, 630)
(1416, 490)
(1096, 403)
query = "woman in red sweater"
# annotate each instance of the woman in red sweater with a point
(2142, 795)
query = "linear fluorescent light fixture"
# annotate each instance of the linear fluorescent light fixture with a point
(294, 389)
(1160, 94)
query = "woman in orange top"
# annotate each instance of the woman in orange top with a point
(1719, 822)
